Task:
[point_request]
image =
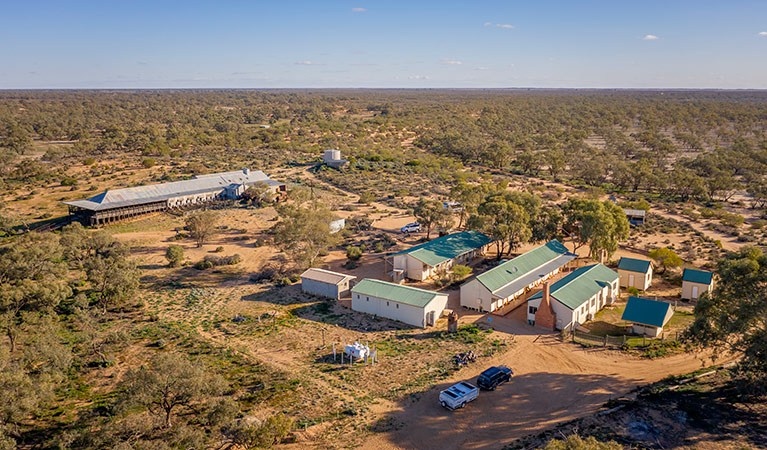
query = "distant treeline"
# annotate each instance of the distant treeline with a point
(679, 144)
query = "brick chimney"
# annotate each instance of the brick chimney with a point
(545, 316)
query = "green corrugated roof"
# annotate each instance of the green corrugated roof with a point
(697, 276)
(646, 312)
(447, 247)
(580, 285)
(634, 265)
(396, 292)
(505, 273)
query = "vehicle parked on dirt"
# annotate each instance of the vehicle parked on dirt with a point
(458, 395)
(413, 227)
(492, 377)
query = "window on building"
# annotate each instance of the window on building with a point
(397, 305)
(387, 303)
(533, 310)
(368, 298)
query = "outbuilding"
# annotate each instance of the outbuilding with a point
(695, 282)
(635, 273)
(413, 306)
(325, 283)
(430, 258)
(647, 316)
(508, 282)
(574, 299)
(635, 217)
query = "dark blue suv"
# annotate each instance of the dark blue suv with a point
(492, 377)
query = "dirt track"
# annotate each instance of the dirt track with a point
(553, 382)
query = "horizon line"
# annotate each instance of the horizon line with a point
(520, 88)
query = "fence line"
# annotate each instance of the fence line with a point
(617, 341)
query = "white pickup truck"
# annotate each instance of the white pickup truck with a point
(458, 395)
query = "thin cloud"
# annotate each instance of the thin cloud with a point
(762, 33)
(419, 77)
(650, 37)
(359, 10)
(308, 63)
(452, 62)
(482, 68)
(499, 25)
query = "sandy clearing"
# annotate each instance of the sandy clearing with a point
(553, 382)
(729, 243)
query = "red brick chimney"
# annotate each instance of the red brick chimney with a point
(545, 316)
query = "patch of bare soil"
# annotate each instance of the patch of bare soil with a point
(553, 382)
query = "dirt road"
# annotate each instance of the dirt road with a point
(553, 382)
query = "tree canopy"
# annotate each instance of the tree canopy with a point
(732, 317)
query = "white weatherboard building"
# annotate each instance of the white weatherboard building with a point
(413, 306)
(577, 297)
(647, 317)
(424, 260)
(696, 282)
(508, 282)
(635, 273)
(325, 283)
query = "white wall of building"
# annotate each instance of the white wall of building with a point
(402, 312)
(324, 289)
(567, 317)
(417, 270)
(693, 291)
(636, 279)
(474, 293)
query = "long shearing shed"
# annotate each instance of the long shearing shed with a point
(118, 204)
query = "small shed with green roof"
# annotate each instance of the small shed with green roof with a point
(635, 273)
(414, 306)
(424, 260)
(578, 296)
(508, 282)
(696, 282)
(648, 317)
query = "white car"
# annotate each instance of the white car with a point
(458, 395)
(411, 228)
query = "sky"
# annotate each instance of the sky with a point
(383, 44)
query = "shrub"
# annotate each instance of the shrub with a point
(353, 253)
(284, 281)
(175, 255)
(460, 272)
(222, 260)
(367, 198)
(575, 442)
(731, 219)
(219, 249)
(148, 162)
(89, 161)
(633, 291)
(202, 265)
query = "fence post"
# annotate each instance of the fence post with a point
(624, 340)
(643, 341)
(605, 344)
